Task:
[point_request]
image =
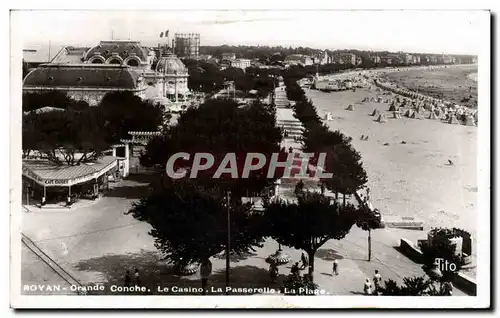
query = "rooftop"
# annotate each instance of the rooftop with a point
(45, 172)
(83, 75)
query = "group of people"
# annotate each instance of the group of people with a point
(132, 281)
(374, 289)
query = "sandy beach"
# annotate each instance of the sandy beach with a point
(456, 84)
(412, 179)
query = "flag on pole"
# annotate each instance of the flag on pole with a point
(161, 34)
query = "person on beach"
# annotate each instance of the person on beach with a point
(367, 287)
(304, 260)
(335, 267)
(377, 280)
(273, 271)
(127, 279)
(137, 281)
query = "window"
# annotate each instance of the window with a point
(115, 61)
(97, 61)
(133, 62)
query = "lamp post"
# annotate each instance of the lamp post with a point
(228, 243)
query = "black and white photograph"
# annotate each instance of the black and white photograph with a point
(250, 158)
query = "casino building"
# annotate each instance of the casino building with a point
(117, 65)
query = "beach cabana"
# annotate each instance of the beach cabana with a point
(415, 115)
(381, 118)
(469, 121)
(408, 113)
(393, 108)
(453, 120)
(350, 107)
(432, 115)
(396, 115)
(375, 112)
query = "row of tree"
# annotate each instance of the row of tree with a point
(209, 78)
(74, 133)
(342, 160)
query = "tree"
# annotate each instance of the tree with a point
(412, 286)
(219, 127)
(189, 223)
(369, 221)
(441, 247)
(309, 223)
(55, 99)
(349, 175)
(125, 112)
(65, 137)
(295, 285)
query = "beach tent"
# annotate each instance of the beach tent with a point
(381, 118)
(469, 121)
(365, 99)
(432, 115)
(453, 120)
(415, 115)
(408, 113)
(375, 112)
(419, 110)
(396, 115)
(393, 108)
(350, 107)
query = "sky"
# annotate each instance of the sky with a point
(452, 32)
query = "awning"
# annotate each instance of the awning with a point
(47, 174)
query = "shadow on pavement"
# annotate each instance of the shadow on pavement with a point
(128, 192)
(328, 254)
(155, 274)
(233, 257)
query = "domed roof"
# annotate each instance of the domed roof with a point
(171, 64)
(123, 48)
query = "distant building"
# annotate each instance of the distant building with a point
(241, 63)
(205, 57)
(345, 58)
(359, 60)
(415, 59)
(298, 59)
(407, 58)
(228, 56)
(445, 59)
(375, 59)
(187, 45)
(322, 58)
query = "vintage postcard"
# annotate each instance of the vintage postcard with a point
(250, 159)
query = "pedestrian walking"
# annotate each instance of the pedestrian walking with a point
(273, 271)
(377, 281)
(137, 281)
(127, 279)
(205, 271)
(304, 260)
(367, 287)
(335, 267)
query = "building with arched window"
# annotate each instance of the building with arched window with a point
(116, 65)
(122, 52)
